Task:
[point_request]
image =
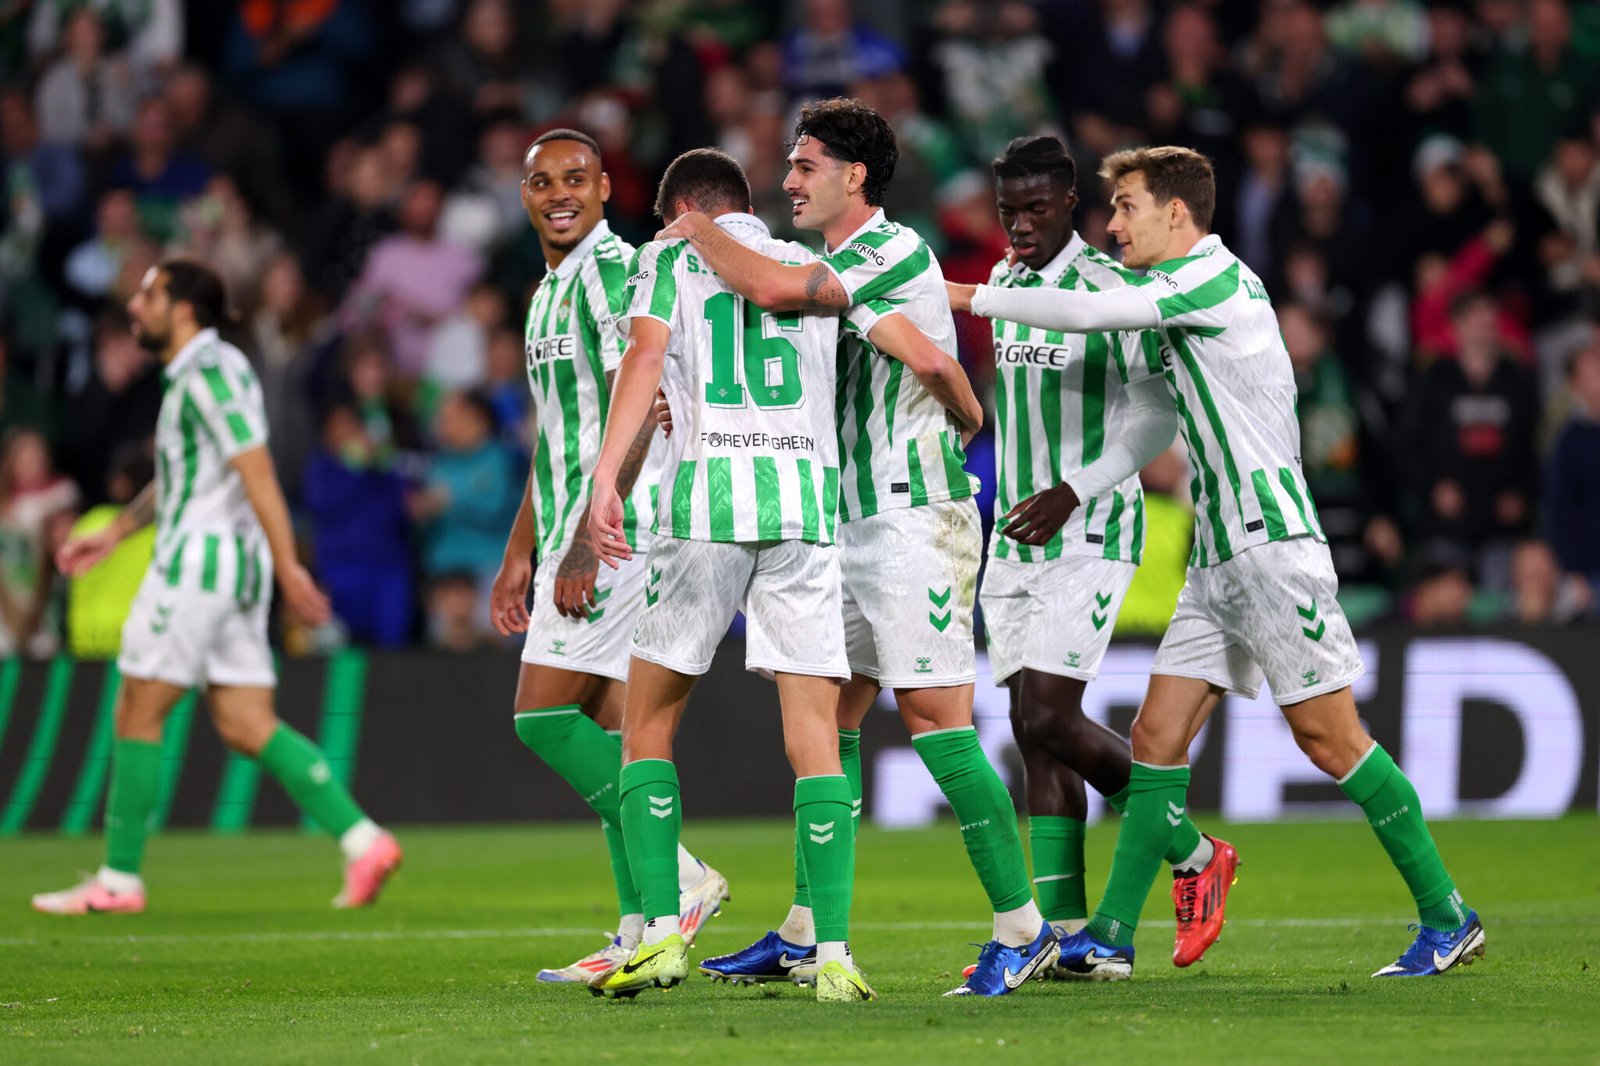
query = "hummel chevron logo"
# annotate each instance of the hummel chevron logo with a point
(1174, 813)
(940, 621)
(1310, 615)
(598, 612)
(855, 808)
(821, 832)
(1102, 599)
(163, 618)
(1099, 621)
(651, 594)
(661, 806)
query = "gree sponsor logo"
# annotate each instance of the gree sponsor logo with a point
(549, 349)
(1016, 353)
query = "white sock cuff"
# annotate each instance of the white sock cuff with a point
(940, 732)
(1160, 766)
(1359, 763)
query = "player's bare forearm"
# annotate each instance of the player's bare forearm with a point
(523, 536)
(266, 499)
(139, 512)
(767, 283)
(632, 400)
(934, 368)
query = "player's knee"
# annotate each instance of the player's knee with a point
(1030, 724)
(246, 735)
(1155, 742)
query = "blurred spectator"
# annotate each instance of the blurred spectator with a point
(1116, 58)
(458, 355)
(288, 333)
(485, 209)
(360, 532)
(1540, 593)
(210, 125)
(1566, 195)
(1263, 212)
(1442, 284)
(355, 219)
(159, 177)
(36, 509)
(456, 614)
(1168, 531)
(1442, 598)
(93, 267)
(932, 157)
(1469, 442)
(831, 50)
(149, 33)
(98, 601)
(84, 98)
(993, 59)
(412, 281)
(116, 407)
(469, 499)
(370, 385)
(506, 385)
(1572, 490)
(1531, 95)
(54, 169)
(1201, 102)
(1296, 74)
(22, 403)
(480, 65)
(219, 228)
(1440, 91)
(1384, 32)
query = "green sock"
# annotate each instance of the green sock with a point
(135, 780)
(1390, 803)
(303, 771)
(828, 849)
(590, 760)
(652, 816)
(850, 759)
(1156, 799)
(1057, 846)
(984, 809)
(1185, 836)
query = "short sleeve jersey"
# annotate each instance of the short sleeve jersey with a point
(898, 446)
(753, 454)
(1056, 396)
(571, 345)
(207, 535)
(1219, 347)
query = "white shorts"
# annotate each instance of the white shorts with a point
(910, 579)
(1054, 616)
(788, 590)
(191, 638)
(599, 644)
(1270, 611)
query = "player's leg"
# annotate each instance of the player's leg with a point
(142, 707)
(1328, 729)
(247, 723)
(1058, 812)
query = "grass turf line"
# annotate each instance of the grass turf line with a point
(240, 960)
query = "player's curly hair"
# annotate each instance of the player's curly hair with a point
(852, 132)
(1170, 173)
(1027, 157)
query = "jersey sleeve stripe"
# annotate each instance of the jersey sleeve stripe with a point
(243, 435)
(221, 391)
(896, 276)
(1203, 296)
(845, 259)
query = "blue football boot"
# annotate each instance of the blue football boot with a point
(1435, 951)
(771, 958)
(1002, 968)
(1083, 958)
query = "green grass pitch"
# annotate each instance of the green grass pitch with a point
(240, 959)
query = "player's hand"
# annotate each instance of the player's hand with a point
(81, 554)
(301, 595)
(684, 227)
(574, 592)
(960, 295)
(1038, 518)
(605, 525)
(508, 597)
(663, 412)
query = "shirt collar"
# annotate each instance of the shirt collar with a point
(198, 341)
(1051, 272)
(744, 220)
(877, 219)
(569, 265)
(1201, 247)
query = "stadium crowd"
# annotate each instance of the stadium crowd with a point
(1418, 184)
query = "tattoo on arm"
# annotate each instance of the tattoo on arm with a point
(823, 291)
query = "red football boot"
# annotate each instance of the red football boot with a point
(1199, 900)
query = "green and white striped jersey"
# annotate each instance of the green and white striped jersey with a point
(1219, 347)
(572, 344)
(1055, 396)
(753, 454)
(898, 446)
(207, 534)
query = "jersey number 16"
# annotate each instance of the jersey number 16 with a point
(771, 364)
